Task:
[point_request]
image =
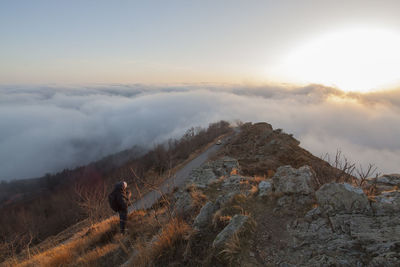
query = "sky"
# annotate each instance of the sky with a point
(82, 79)
(156, 42)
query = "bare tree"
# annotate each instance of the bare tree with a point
(91, 199)
(345, 168)
(363, 174)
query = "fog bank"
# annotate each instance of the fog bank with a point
(46, 129)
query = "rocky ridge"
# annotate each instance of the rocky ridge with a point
(336, 225)
(265, 201)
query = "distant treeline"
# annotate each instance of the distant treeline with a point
(32, 210)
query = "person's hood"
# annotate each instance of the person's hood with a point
(119, 186)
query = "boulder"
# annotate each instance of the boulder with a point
(236, 184)
(264, 188)
(342, 198)
(293, 181)
(385, 182)
(224, 166)
(204, 217)
(233, 180)
(202, 176)
(184, 203)
(387, 179)
(387, 203)
(235, 225)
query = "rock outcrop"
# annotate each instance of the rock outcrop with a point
(343, 231)
(183, 203)
(236, 224)
(342, 198)
(293, 181)
(203, 219)
(344, 227)
(264, 188)
(211, 171)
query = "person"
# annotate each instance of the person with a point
(122, 203)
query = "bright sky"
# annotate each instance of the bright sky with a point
(201, 41)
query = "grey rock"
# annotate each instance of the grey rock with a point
(204, 217)
(224, 198)
(313, 213)
(387, 203)
(233, 180)
(224, 166)
(342, 198)
(235, 225)
(184, 203)
(264, 188)
(236, 184)
(202, 176)
(385, 260)
(296, 181)
(387, 179)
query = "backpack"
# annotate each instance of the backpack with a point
(112, 201)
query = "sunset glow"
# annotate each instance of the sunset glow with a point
(353, 60)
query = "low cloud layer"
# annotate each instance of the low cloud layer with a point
(48, 129)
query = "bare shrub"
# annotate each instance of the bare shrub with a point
(91, 198)
(364, 173)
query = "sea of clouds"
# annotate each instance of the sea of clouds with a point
(49, 128)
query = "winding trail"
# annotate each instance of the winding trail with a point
(177, 180)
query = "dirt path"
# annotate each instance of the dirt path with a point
(176, 181)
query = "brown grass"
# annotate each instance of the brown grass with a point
(219, 220)
(91, 258)
(68, 252)
(198, 197)
(164, 245)
(238, 244)
(232, 249)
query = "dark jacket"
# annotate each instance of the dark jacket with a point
(121, 197)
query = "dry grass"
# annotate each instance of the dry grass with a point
(238, 244)
(92, 245)
(92, 257)
(232, 249)
(258, 179)
(68, 252)
(219, 220)
(198, 197)
(164, 245)
(234, 171)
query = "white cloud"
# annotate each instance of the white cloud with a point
(47, 129)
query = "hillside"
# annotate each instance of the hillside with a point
(36, 209)
(262, 200)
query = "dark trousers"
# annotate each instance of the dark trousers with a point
(123, 217)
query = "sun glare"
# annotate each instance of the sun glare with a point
(353, 60)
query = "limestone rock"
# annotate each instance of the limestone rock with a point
(264, 188)
(235, 225)
(387, 203)
(236, 184)
(388, 179)
(184, 202)
(296, 181)
(202, 176)
(385, 182)
(233, 180)
(347, 235)
(205, 215)
(342, 198)
(224, 166)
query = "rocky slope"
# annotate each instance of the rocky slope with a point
(261, 201)
(288, 223)
(285, 217)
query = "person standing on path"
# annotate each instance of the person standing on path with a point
(119, 202)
